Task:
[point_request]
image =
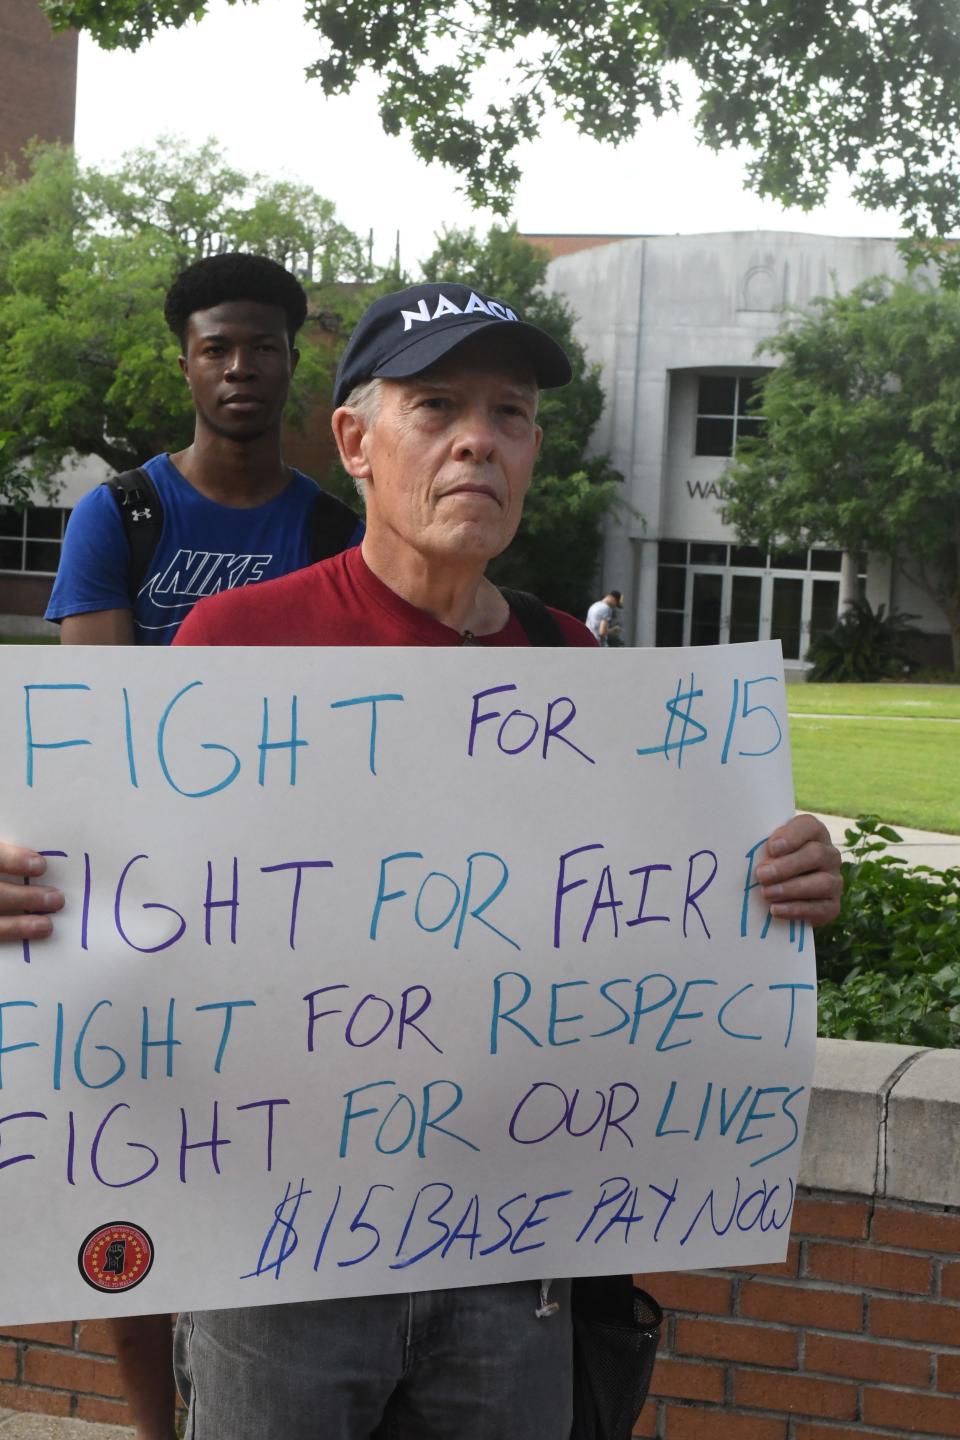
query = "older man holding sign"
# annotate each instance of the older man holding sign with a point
(561, 1039)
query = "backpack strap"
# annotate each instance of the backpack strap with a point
(332, 526)
(142, 516)
(539, 624)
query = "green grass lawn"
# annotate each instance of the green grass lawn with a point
(907, 773)
(933, 702)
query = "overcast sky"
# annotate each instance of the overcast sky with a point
(238, 77)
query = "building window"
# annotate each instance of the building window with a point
(30, 540)
(724, 413)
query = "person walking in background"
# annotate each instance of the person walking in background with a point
(601, 617)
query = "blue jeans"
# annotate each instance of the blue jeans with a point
(470, 1364)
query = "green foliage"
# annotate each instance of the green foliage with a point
(87, 364)
(865, 644)
(872, 89)
(932, 675)
(202, 206)
(555, 552)
(918, 1009)
(861, 445)
(889, 967)
(933, 253)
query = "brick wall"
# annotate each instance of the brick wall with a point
(855, 1335)
(38, 78)
(556, 245)
(63, 1369)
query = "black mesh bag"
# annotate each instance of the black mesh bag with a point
(616, 1330)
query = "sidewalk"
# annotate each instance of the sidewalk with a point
(15, 1425)
(918, 847)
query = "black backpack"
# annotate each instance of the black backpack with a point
(539, 624)
(332, 525)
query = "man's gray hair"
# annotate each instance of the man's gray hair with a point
(365, 400)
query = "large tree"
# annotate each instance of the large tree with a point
(555, 552)
(87, 365)
(861, 441)
(811, 87)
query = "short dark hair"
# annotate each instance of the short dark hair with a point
(234, 276)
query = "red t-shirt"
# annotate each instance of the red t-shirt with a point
(337, 602)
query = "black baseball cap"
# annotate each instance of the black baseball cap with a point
(404, 333)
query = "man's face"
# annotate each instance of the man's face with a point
(450, 454)
(238, 365)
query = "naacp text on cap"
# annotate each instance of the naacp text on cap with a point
(446, 306)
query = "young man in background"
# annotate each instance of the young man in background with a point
(233, 512)
(224, 513)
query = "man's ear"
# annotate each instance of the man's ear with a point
(182, 362)
(349, 433)
(539, 432)
(294, 358)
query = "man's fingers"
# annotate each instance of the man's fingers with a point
(812, 858)
(814, 912)
(814, 885)
(799, 872)
(25, 910)
(813, 896)
(31, 899)
(797, 832)
(25, 927)
(19, 860)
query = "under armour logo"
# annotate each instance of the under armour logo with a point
(144, 514)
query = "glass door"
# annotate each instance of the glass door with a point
(786, 615)
(738, 606)
(706, 607)
(823, 607)
(744, 617)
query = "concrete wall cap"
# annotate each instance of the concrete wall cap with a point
(859, 1066)
(923, 1131)
(935, 1077)
(844, 1147)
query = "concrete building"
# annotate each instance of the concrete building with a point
(674, 322)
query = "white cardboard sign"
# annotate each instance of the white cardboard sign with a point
(393, 969)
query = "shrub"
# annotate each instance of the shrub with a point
(865, 644)
(934, 675)
(889, 966)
